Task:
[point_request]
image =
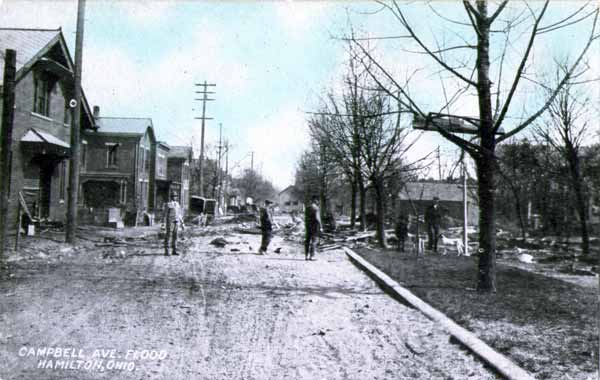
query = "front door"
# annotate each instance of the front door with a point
(46, 171)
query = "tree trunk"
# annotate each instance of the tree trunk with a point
(380, 209)
(362, 192)
(486, 280)
(520, 215)
(519, 211)
(354, 192)
(580, 203)
(486, 165)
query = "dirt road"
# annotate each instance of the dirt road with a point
(213, 313)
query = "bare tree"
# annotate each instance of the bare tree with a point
(566, 129)
(470, 65)
(371, 135)
(337, 125)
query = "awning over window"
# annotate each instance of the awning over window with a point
(54, 67)
(45, 143)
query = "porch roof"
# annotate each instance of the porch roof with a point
(36, 136)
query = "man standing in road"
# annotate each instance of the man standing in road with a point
(172, 219)
(266, 227)
(313, 229)
(433, 218)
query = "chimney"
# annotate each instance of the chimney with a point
(96, 112)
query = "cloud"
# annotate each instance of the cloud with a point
(299, 17)
(278, 141)
(145, 13)
(124, 84)
(38, 14)
(135, 80)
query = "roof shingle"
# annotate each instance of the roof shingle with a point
(125, 125)
(26, 42)
(446, 192)
(179, 152)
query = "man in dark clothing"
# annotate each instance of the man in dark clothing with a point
(312, 222)
(433, 218)
(266, 227)
(401, 230)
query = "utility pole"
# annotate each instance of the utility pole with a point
(71, 227)
(204, 99)
(219, 182)
(226, 170)
(439, 163)
(8, 113)
(465, 208)
(252, 161)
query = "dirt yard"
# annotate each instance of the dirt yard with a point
(102, 311)
(544, 321)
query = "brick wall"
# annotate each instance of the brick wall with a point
(24, 173)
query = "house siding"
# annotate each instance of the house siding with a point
(130, 178)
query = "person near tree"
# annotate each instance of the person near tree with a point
(313, 228)
(401, 230)
(433, 219)
(266, 227)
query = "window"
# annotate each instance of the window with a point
(146, 160)
(63, 180)
(83, 154)
(41, 97)
(142, 160)
(123, 195)
(112, 154)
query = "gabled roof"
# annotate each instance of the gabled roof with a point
(290, 187)
(163, 145)
(124, 125)
(446, 192)
(29, 44)
(33, 44)
(180, 152)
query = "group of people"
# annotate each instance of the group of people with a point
(433, 220)
(173, 221)
(313, 228)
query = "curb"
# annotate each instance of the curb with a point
(501, 363)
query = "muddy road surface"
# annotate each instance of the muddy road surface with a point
(214, 313)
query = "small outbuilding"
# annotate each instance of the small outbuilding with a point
(420, 195)
(289, 200)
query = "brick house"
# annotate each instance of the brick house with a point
(161, 182)
(179, 162)
(42, 121)
(118, 168)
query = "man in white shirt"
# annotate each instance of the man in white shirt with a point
(172, 220)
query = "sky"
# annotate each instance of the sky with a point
(272, 62)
